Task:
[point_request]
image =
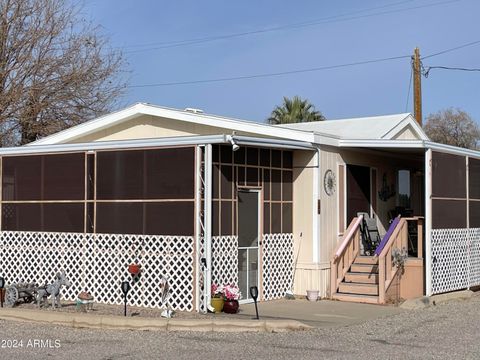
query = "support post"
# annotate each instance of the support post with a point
(428, 222)
(417, 86)
(198, 221)
(208, 223)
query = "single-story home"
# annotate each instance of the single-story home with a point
(329, 206)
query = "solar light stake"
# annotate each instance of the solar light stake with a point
(254, 295)
(125, 290)
(2, 285)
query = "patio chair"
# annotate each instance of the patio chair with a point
(370, 235)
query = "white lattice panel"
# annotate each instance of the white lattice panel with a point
(225, 260)
(450, 260)
(474, 256)
(277, 265)
(98, 263)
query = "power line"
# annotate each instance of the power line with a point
(252, 32)
(409, 88)
(427, 71)
(452, 49)
(188, 42)
(255, 76)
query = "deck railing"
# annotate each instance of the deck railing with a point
(345, 253)
(396, 238)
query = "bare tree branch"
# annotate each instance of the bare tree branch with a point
(55, 70)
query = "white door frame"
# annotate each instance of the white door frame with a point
(244, 299)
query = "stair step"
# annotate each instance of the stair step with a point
(364, 278)
(368, 299)
(364, 268)
(356, 288)
(372, 260)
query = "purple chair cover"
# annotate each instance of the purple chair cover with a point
(387, 236)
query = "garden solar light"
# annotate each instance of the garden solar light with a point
(254, 295)
(125, 290)
(2, 285)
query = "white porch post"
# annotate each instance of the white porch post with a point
(198, 221)
(316, 198)
(207, 211)
(428, 222)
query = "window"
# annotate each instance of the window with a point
(404, 194)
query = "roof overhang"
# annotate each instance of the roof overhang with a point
(158, 142)
(140, 109)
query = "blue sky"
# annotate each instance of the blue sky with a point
(363, 90)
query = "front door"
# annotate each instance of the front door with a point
(358, 191)
(248, 239)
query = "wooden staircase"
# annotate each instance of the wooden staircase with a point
(366, 279)
(361, 281)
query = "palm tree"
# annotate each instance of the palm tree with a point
(294, 111)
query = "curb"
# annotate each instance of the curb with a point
(427, 301)
(150, 324)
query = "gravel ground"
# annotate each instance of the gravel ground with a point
(447, 331)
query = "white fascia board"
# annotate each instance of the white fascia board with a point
(404, 123)
(399, 144)
(91, 126)
(159, 142)
(196, 118)
(233, 124)
(452, 149)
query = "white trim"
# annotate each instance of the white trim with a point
(198, 223)
(207, 213)
(428, 222)
(316, 199)
(388, 144)
(405, 123)
(452, 149)
(173, 114)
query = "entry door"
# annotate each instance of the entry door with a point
(358, 191)
(248, 239)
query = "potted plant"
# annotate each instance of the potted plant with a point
(135, 268)
(217, 299)
(232, 294)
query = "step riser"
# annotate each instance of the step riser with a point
(359, 289)
(370, 260)
(361, 278)
(363, 268)
(357, 299)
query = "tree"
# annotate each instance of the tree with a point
(453, 127)
(56, 70)
(294, 111)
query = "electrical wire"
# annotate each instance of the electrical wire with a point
(252, 32)
(427, 71)
(452, 49)
(409, 88)
(264, 75)
(188, 42)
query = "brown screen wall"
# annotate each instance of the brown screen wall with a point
(248, 167)
(129, 192)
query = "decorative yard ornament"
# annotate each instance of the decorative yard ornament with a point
(53, 290)
(386, 192)
(125, 289)
(329, 182)
(164, 296)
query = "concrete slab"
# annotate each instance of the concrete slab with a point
(322, 313)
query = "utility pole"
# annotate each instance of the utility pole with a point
(417, 86)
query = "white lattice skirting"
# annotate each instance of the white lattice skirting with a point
(277, 265)
(225, 260)
(455, 259)
(98, 263)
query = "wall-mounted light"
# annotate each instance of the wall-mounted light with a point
(235, 146)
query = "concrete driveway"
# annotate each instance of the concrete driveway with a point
(322, 313)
